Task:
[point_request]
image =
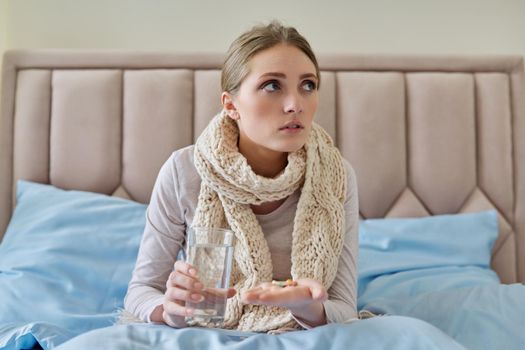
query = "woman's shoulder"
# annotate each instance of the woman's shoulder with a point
(351, 180)
(350, 173)
(181, 167)
(183, 155)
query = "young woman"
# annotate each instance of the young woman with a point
(265, 170)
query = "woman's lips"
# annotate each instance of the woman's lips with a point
(294, 125)
(292, 129)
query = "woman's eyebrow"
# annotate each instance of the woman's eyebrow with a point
(282, 75)
(308, 75)
(273, 74)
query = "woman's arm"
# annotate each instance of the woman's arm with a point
(342, 295)
(162, 239)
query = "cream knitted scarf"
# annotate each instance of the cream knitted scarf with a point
(228, 188)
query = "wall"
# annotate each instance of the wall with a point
(359, 26)
(373, 26)
(3, 29)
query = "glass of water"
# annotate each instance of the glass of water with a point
(210, 251)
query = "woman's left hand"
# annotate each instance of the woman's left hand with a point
(304, 293)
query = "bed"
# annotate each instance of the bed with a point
(436, 142)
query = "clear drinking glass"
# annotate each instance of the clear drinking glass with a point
(210, 251)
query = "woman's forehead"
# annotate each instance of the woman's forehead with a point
(281, 58)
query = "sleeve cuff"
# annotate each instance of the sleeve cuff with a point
(338, 312)
(159, 300)
(302, 323)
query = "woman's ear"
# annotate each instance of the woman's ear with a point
(229, 106)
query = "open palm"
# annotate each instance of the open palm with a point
(306, 291)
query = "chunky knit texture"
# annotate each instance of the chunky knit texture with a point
(229, 186)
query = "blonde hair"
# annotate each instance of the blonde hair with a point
(262, 37)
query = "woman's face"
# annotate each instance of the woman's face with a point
(276, 101)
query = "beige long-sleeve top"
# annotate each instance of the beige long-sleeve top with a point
(171, 210)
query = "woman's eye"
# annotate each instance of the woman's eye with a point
(309, 85)
(271, 86)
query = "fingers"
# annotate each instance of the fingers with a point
(317, 290)
(176, 309)
(185, 268)
(251, 296)
(173, 321)
(261, 288)
(182, 286)
(184, 275)
(319, 295)
(175, 300)
(231, 292)
(275, 295)
(179, 279)
(306, 291)
(286, 296)
(183, 295)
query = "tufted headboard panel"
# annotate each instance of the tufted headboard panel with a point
(426, 135)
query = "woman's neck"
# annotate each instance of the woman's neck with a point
(264, 162)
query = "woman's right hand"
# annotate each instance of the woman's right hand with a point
(181, 286)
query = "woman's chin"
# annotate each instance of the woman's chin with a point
(290, 148)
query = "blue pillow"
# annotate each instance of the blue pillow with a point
(407, 256)
(65, 263)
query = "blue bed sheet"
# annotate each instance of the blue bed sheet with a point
(489, 316)
(480, 317)
(392, 333)
(67, 257)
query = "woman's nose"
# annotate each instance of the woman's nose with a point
(293, 104)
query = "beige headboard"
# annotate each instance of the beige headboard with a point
(426, 135)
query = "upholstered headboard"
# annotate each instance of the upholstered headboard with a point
(426, 135)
